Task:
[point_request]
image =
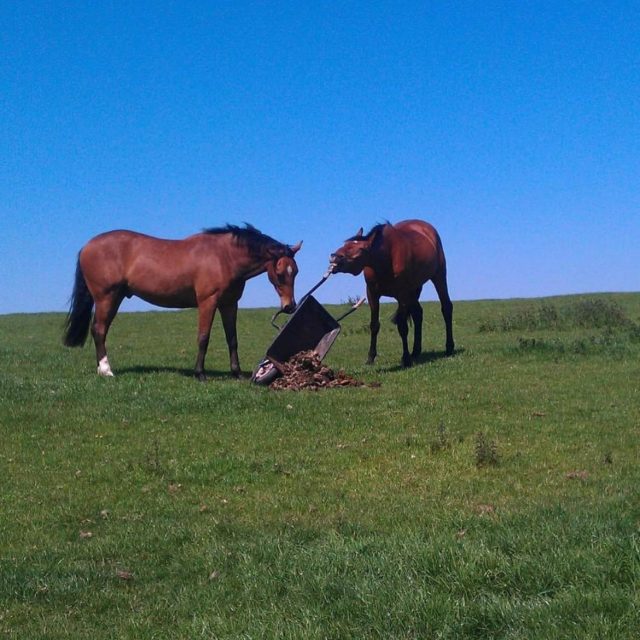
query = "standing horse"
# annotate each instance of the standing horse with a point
(207, 270)
(397, 260)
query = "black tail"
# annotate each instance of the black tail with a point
(79, 316)
(395, 318)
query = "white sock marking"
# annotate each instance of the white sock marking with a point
(104, 369)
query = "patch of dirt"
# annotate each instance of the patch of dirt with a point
(579, 475)
(306, 371)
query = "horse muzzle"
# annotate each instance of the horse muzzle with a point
(336, 263)
(287, 309)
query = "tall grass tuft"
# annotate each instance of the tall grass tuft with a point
(442, 440)
(485, 451)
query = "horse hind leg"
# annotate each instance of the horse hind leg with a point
(105, 311)
(401, 321)
(416, 315)
(446, 306)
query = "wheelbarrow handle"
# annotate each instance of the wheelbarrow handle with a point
(273, 319)
(322, 280)
(352, 309)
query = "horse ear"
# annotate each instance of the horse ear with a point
(359, 234)
(296, 247)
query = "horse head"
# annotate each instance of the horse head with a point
(353, 255)
(282, 270)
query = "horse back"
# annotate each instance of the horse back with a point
(416, 247)
(163, 272)
(114, 252)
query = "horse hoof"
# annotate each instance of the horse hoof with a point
(236, 373)
(407, 362)
(370, 360)
(201, 377)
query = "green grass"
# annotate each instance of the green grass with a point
(152, 506)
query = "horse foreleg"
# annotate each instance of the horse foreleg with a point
(374, 326)
(446, 307)
(105, 311)
(403, 330)
(416, 316)
(206, 312)
(229, 315)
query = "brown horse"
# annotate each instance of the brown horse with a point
(207, 270)
(397, 260)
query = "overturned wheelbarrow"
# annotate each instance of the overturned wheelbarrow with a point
(310, 328)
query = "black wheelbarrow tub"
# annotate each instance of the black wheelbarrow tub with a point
(310, 328)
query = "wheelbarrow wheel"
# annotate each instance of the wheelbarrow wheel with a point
(265, 373)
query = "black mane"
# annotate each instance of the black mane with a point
(372, 233)
(258, 243)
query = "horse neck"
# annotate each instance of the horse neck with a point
(381, 252)
(255, 265)
(252, 266)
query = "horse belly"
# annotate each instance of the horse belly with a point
(403, 285)
(161, 279)
(173, 290)
(171, 300)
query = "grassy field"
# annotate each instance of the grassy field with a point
(494, 494)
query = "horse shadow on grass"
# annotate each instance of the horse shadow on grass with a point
(186, 373)
(426, 357)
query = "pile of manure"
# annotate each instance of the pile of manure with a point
(306, 371)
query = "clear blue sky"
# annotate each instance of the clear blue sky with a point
(513, 127)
